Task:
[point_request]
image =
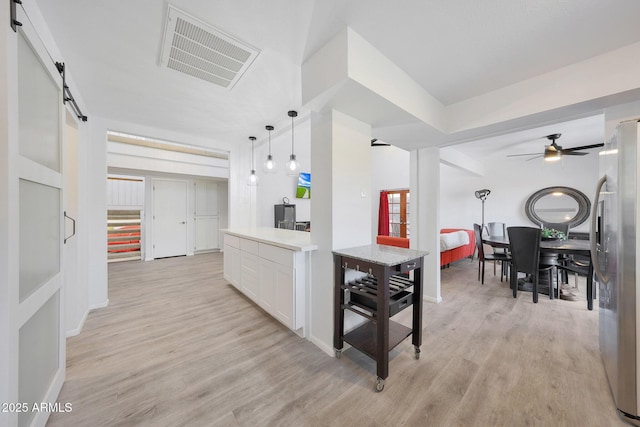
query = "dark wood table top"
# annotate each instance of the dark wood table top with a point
(581, 247)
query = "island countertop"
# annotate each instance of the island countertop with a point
(287, 239)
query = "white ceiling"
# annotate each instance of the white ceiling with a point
(454, 49)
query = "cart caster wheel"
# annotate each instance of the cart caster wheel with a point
(379, 385)
(338, 354)
(417, 353)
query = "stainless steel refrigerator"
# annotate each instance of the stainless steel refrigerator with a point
(615, 243)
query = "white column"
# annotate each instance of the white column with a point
(340, 207)
(425, 215)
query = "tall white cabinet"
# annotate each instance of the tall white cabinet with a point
(272, 267)
(206, 216)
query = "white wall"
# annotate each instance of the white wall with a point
(389, 171)
(341, 211)
(511, 181)
(274, 186)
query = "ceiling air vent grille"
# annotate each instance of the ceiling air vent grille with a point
(202, 51)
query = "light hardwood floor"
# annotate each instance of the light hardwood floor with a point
(178, 346)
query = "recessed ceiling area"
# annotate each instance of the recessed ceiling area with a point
(579, 132)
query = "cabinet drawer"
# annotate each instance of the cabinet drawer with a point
(397, 303)
(232, 241)
(250, 246)
(406, 267)
(276, 254)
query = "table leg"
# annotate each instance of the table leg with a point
(416, 331)
(338, 311)
(382, 324)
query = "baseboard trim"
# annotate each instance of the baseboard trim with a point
(322, 346)
(99, 305)
(431, 299)
(76, 331)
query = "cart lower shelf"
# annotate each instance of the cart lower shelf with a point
(364, 338)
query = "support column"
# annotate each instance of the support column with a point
(425, 215)
(340, 208)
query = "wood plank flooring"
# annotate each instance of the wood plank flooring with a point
(179, 346)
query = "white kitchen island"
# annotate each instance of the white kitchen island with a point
(272, 267)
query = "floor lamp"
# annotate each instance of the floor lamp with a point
(482, 195)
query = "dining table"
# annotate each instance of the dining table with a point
(556, 246)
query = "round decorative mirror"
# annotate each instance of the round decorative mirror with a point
(558, 205)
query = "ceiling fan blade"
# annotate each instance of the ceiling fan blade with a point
(536, 157)
(520, 155)
(584, 147)
(375, 143)
(572, 153)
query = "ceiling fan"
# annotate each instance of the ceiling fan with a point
(553, 151)
(375, 143)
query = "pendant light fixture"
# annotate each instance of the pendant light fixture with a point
(252, 179)
(269, 165)
(292, 165)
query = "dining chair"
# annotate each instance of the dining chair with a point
(504, 259)
(497, 229)
(524, 245)
(554, 259)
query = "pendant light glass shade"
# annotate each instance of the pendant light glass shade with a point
(269, 165)
(252, 179)
(292, 167)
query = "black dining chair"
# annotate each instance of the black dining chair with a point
(504, 259)
(554, 259)
(524, 245)
(497, 229)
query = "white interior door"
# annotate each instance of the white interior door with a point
(36, 320)
(169, 218)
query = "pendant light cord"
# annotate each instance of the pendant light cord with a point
(292, 151)
(252, 138)
(292, 114)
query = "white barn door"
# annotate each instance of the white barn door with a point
(36, 321)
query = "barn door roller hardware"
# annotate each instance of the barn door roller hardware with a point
(14, 21)
(67, 96)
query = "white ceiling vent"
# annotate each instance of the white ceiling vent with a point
(192, 47)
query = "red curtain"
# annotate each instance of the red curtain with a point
(383, 214)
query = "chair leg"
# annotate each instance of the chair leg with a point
(535, 288)
(482, 281)
(514, 282)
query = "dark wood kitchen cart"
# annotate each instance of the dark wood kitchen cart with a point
(382, 289)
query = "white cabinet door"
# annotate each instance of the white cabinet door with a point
(268, 280)
(249, 275)
(206, 198)
(206, 233)
(232, 265)
(285, 295)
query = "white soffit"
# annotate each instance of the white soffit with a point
(200, 50)
(163, 145)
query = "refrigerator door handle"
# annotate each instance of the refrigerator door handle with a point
(592, 233)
